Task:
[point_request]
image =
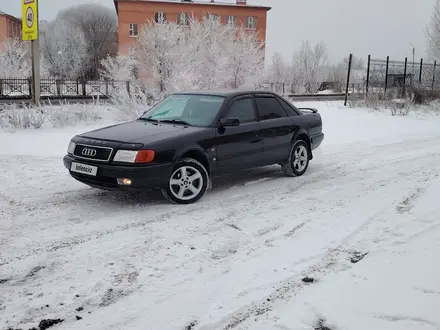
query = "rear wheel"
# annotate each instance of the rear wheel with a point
(298, 160)
(187, 183)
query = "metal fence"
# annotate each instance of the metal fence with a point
(387, 74)
(11, 89)
(376, 76)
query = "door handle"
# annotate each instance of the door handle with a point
(256, 141)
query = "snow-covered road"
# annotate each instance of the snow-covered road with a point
(236, 259)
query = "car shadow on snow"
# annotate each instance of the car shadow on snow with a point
(114, 198)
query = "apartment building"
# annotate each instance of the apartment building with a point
(10, 26)
(133, 14)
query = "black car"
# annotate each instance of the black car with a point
(181, 142)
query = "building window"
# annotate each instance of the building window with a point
(212, 17)
(231, 21)
(10, 28)
(160, 17)
(134, 30)
(183, 19)
(251, 22)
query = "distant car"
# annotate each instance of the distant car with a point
(182, 141)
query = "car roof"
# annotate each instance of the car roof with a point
(222, 92)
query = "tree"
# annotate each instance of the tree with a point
(64, 50)
(205, 54)
(99, 26)
(433, 32)
(15, 61)
(309, 62)
(121, 67)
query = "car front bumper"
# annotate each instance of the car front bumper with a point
(142, 177)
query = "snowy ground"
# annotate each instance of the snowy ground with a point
(236, 259)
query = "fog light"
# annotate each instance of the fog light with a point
(124, 182)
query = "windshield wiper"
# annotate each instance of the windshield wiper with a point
(175, 121)
(148, 119)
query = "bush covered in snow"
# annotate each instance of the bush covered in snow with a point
(28, 116)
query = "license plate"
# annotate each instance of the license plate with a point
(84, 169)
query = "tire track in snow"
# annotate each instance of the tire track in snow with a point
(326, 172)
(332, 262)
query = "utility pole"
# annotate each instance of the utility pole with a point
(414, 58)
(30, 32)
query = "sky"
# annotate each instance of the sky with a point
(361, 27)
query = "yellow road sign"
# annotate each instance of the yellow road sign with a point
(30, 19)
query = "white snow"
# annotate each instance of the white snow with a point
(234, 260)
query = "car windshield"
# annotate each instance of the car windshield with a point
(189, 109)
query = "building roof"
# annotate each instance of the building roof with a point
(2, 13)
(199, 2)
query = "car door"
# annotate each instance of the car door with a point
(239, 147)
(277, 128)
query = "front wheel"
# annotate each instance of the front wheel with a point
(187, 183)
(298, 160)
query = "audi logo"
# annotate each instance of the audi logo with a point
(88, 152)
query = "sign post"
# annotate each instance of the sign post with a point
(30, 33)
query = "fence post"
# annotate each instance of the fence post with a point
(83, 85)
(420, 74)
(404, 78)
(433, 74)
(128, 87)
(368, 75)
(30, 87)
(386, 74)
(284, 91)
(1, 87)
(348, 79)
(58, 86)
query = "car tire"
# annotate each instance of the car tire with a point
(295, 166)
(187, 183)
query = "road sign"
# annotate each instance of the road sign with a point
(30, 19)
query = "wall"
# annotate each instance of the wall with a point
(3, 30)
(5, 23)
(140, 12)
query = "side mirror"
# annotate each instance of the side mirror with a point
(228, 122)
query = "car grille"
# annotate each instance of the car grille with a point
(102, 154)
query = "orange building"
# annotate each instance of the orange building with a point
(132, 14)
(10, 27)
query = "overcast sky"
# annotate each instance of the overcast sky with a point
(361, 27)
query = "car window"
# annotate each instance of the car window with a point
(269, 108)
(196, 110)
(290, 108)
(244, 110)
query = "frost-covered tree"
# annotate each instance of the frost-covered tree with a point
(64, 50)
(433, 32)
(306, 70)
(99, 26)
(121, 67)
(309, 61)
(204, 54)
(15, 61)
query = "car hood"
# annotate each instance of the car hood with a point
(139, 131)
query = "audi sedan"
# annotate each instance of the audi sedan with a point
(181, 142)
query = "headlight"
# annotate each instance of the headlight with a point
(132, 156)
(71, 148)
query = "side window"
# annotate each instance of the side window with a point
(270, 108)
(290, 109)
(244, 110)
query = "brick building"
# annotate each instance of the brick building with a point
(132, 14)
(10, 26)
